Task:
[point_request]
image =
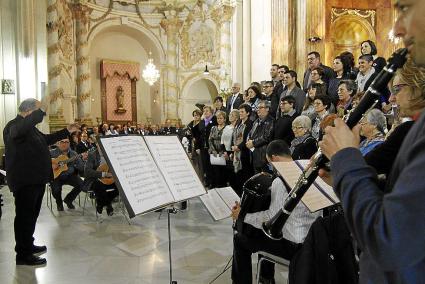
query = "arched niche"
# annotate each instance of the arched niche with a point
(198, 90)
(347, 33)
(128, 44)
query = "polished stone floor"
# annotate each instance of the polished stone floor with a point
(86, 249)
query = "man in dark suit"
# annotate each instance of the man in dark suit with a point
(168, 129)
(313, 61)
(29, 168)
(84, 145)
(204, 128)
(235, 100)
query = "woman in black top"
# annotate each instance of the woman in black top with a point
(369, 47)
(303, 146)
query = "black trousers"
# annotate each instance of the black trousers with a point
(104, 197)
(206, 165)
(72, 180)
(28, 201)
(244, 247)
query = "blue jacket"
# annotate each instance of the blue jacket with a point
(389, 227)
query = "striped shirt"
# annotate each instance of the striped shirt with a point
(298, 223)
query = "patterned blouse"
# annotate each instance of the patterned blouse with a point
(215, 141)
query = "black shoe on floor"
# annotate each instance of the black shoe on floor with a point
(60, 206)
(31, 260)
(99, 209)
(38, 250)
(109, 210)
(69, 204)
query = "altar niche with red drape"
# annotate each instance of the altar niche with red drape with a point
(118, 87)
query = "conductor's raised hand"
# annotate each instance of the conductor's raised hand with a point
(45, 103)
(339, 137)
(73, 127)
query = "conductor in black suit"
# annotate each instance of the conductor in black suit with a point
(29, 168)
(235, 100)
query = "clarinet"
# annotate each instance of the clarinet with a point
(273, 227)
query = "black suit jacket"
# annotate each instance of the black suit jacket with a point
(204, 132)
(27, 155)
(238, 101)
(81, 148)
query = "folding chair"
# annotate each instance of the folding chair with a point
(270, 258)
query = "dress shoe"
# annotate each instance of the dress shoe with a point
(109, 210)
(38, 250)
(31, 260)
(99, 209)
(266, 281)
(69, 204)
(60, 206)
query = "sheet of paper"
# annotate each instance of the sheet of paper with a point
(176, 167)
(139, 177)
(314, 199)
(217, 160)
(326, 188)
(3, 172)
(228, 195)
(215, 205)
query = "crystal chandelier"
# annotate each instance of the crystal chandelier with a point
(150, 73)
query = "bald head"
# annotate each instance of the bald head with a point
(28, 106)
(236, 87)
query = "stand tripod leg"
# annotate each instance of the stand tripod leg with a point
(169, 247)
(225, 268)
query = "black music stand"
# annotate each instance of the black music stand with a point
(170, 210)
(225, 268)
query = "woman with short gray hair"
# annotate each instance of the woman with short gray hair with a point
(373, 127)
(303, 146)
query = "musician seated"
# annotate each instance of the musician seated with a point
(294, 231)
(104, 192)
(68, 174)
(84, 145)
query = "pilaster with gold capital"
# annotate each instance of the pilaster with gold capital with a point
(54, 67)
(83, 82)
(171, 24)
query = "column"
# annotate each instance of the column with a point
(246, 50)
(171, 24)
(55, 91)
(284, 15)
(83, 79)
(225, 43)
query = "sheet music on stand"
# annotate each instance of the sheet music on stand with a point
(320, 195)
(150, 173)
(219, 202)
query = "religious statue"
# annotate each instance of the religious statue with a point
(119, 95)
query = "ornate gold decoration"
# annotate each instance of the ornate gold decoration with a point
(53, 49)
(82, 78)
(110, 7)
(200, 35)
(369, 15)
(65, 30)
(52, 8)
(83, 97)
(54, 96)
(81, 12)
(141, 18)
(55, 71)
(82, 60)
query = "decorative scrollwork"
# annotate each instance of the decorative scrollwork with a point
(366, 14)
(110, 7)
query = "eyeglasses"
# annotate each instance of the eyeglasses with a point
(397, 88)
(297, 127)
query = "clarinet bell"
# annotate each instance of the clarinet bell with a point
(273, 227)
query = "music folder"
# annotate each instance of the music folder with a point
(219, 202)
(320, 195)
(150, 172)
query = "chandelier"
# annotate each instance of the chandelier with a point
(150, 73)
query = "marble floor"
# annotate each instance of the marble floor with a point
(86, 249)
